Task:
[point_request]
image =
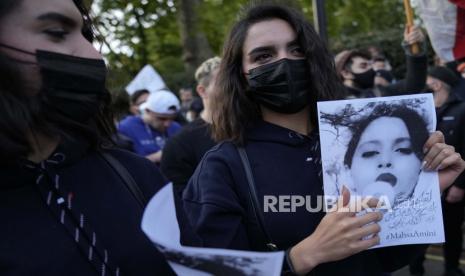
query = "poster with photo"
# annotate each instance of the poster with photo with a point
(374, 147)
(160, 224)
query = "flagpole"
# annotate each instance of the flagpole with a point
(319, 16)
(409, 14)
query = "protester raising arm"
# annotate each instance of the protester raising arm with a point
(416, 63)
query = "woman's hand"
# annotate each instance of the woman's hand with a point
(442, 157)
(339, 235)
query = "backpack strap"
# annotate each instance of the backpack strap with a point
(255, 203)
(127, 178)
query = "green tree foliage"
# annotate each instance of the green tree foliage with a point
(140, 32)
(217, 17)
(364, 23)
(349, 18)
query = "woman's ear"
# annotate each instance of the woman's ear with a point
(201, 91)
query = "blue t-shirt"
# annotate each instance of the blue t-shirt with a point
(146, 139)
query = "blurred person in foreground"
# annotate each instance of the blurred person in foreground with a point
(65, 208)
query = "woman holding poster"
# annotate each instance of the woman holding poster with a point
(274, 70)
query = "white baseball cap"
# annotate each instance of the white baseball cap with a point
(162, 102)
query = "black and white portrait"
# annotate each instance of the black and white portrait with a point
(374, 148)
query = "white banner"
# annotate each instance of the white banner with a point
(440, 19)
(147, 78)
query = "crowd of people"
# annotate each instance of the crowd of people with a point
(76, 178)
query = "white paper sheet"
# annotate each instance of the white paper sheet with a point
(147, 78)
(160, 224)
(416, 216)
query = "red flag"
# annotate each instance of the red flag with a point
(459, 47)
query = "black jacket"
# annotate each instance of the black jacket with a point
(34, 242)
(283, 162)
(183, 152)
(451, 122)
(459, 89)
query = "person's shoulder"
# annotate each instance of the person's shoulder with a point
(223, 149)
(129, 121)
(224, 153)
(458, 106)
(218, 170)
(461, 109)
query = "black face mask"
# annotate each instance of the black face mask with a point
(72, 87)
(365, 80)
(282, 86)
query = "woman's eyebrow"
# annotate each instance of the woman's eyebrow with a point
(295, 42)
(261, 49)
(53, 16)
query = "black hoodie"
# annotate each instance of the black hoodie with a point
(36, 242)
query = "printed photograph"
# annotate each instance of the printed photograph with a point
(374, 148)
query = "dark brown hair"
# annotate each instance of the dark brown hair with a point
(233, 109)
(23, 116)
